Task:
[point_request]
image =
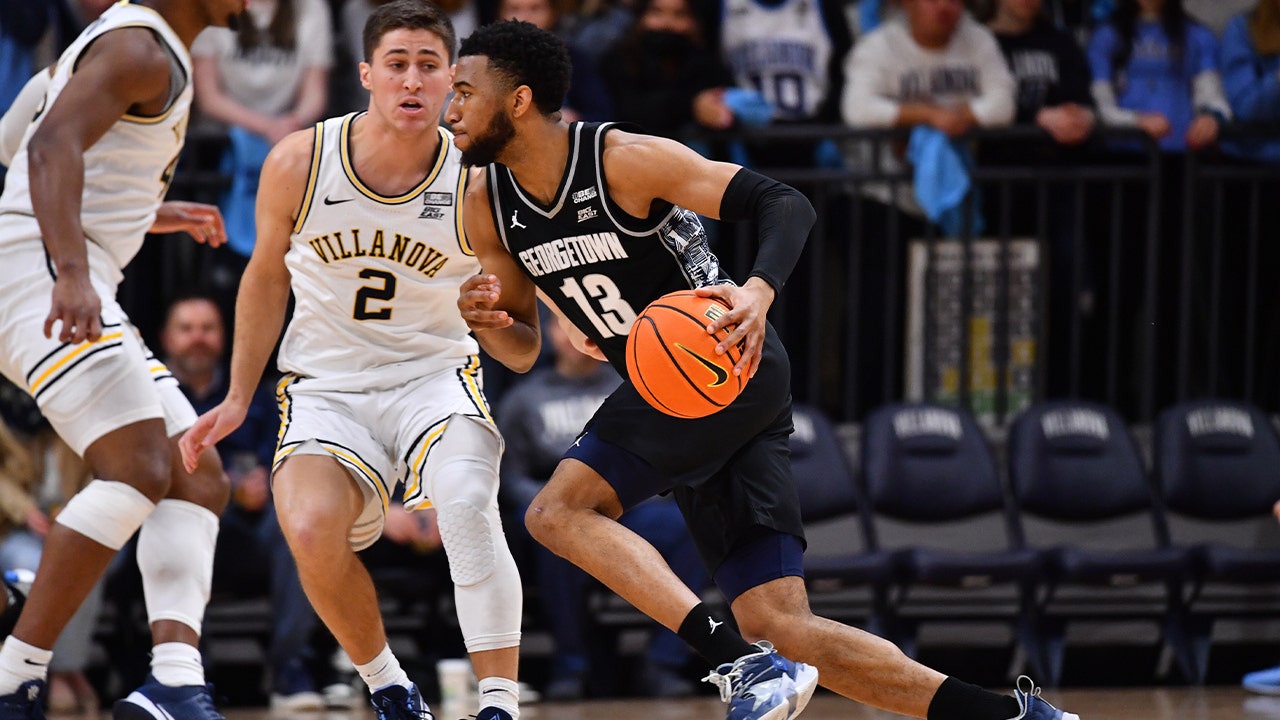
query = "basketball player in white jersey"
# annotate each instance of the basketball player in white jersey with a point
(359, 217)
(85, 184)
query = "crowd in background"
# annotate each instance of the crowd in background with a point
(1179, 71)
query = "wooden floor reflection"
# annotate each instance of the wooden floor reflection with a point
(1108, 704)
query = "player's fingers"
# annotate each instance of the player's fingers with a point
(92, 327)
(724, 293)
(48, 323)
(735, 337)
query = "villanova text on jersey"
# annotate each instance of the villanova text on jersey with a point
(415, 254)
(927, 84)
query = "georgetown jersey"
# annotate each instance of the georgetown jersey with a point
(126, 172)
(599, 265)
(375, 279)
(782, 49)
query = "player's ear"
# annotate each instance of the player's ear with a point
(522, 101)
(365, 70)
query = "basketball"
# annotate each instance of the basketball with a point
(672, 360)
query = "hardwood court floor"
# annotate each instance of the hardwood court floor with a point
(1109, 704)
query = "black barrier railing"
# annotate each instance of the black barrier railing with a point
(1110, 275)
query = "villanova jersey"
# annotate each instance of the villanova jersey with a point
(782, 49)
(600, 266)
(126, 172)
(375, 279)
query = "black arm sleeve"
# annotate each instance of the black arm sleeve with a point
(783, 218)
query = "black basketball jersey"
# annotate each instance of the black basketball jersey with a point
(599, 265)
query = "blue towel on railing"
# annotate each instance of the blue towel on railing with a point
(243, 162)
(941, 179)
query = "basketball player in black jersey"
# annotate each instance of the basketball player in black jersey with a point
(600, 221)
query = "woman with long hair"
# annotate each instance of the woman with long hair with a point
(1156, 69)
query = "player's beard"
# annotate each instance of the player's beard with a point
(485, 148)
(233, 22)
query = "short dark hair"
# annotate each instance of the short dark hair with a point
(525, 54)
(410, 14)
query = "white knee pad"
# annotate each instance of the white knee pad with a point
(487, 588)
(175, 555)
(107, 512)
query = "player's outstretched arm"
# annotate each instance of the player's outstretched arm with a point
(500, 304)
(264, 291)
(641, 168)
(123, 68)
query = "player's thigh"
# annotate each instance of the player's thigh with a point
(442, 430)
(325, 425)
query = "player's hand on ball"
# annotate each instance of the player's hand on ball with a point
(476, 300)
(748, 311)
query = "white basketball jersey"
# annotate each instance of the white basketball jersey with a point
(126, 172)
(783, 50)
(375, 279)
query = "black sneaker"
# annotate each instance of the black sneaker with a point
(396, 702)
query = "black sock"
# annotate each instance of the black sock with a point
(713, 639)
(957, 700)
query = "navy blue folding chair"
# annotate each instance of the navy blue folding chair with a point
(1217, 464)
(930, 475)
(828, 492)
(1087, 505)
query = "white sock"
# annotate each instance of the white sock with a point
(177, 664)
(20, 662)
(383, 671)
(501, 693)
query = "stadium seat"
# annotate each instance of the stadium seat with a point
(1217, 464)
(928, 468)
(1076, 473)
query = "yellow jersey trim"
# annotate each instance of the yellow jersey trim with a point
(312, 179)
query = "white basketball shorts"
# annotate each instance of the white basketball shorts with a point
(382, 437)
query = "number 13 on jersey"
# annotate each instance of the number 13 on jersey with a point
(599, 299)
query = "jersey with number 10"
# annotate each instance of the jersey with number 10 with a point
(375, 279)
(599, 265)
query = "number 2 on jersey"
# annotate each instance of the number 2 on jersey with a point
(372, 292)
(615, 316)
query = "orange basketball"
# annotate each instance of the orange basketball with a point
(672, 360)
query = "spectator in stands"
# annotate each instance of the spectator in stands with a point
(30, 454)
(264, 81)
(539, 418)
(1251, 74)
(587, 99)
(251, 554)
(1266, 682)
(1156, 69)
(597, 25)
(1050, 69)
(662, 75)
(940, 68)
(792, 53)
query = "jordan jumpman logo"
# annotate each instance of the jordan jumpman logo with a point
(515, 223)
(712, 622)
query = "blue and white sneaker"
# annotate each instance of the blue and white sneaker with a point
(395, 702)
(154, 701)
(25, 703)
(1266, 682)
(492, 713)
(764, 685)
(16, 584)
(1033, 707)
